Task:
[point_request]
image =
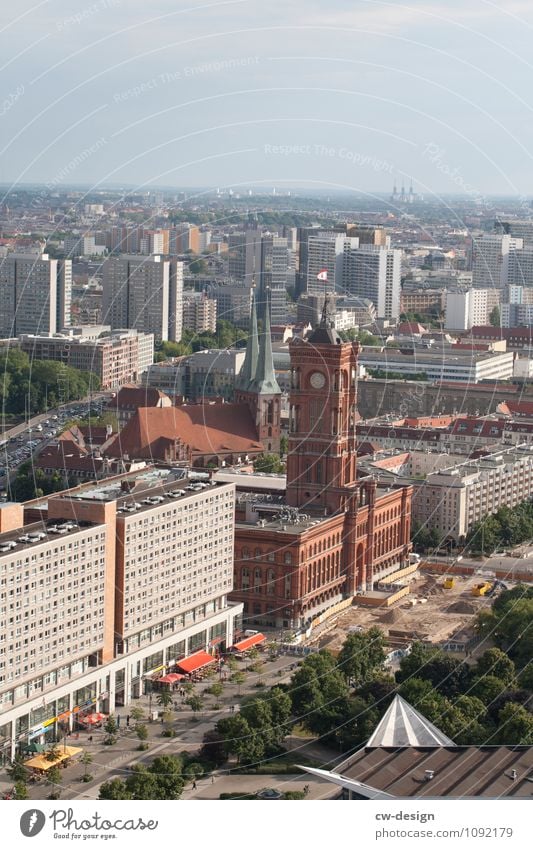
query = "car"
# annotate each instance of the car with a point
(54, 418)
(36, 536)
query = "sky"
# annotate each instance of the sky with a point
(327, 94)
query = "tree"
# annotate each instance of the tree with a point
(86, 759)
(137, 713)
(216, 689)
(494, 317)
(213, 749)
(53, 779)
(114, 789)
(195, 703)
(361, 654)
(413, 690)
(495, 662)
(283, 445)
(142, 784)
(198, 266)
(258, 715)
(239, 739)
(168, 771)
(53, 753)
(268, 463)
(21, 790)
(164, 698)
(238, 678)
(141, 731)
(487, 688)
(111, 730)
(515, 726)
(280, 706)
(16, 770)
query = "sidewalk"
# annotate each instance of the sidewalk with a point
(115, 761)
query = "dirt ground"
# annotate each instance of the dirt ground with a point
(443, 614)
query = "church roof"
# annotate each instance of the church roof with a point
(264, 381)
(249, 366)
(205, 428)
(402, 725)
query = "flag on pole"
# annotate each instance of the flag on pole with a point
(323, 275)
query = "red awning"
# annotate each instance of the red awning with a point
(195, 661)
(246, 644)
(171, 678)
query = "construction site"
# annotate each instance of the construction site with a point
(436, 609)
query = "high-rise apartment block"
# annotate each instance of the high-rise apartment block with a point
(490, 260)
(244, 257)
(145, 294)
(118, 582)
(199, 313)
(35, 294)
(373, 272)
(277, 274)
(325, 253)
(470, 308)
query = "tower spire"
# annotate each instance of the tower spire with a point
(249, 366)
(265, 382)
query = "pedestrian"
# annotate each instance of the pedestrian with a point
(194, 784)
(90, 739)
(118, 721)
(212, 779)
(128, 721)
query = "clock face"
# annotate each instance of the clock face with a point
(317, 380)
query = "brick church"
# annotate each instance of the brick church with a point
(334, 534)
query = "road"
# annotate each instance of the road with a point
(18, 449)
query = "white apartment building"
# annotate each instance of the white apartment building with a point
(119, 581)
(453, 499)
(145, 293)
(470, 308)
(35, 294)
(373, 272)
(490, 260)
(325, 252)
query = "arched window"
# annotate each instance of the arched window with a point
(257, 552)
(245, 578)
(245, 553)
(271, 582)
(288, 558)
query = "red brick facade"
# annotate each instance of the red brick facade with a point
(338, 535)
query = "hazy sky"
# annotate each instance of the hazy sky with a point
(350, 94)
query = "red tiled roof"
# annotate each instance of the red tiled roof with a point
(205, 428)
(517, 408)
(409, 327)
(135, 396)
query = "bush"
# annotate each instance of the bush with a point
(143, 747)
(168, 732)
(87, 777)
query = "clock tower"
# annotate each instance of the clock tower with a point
(321, 465)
